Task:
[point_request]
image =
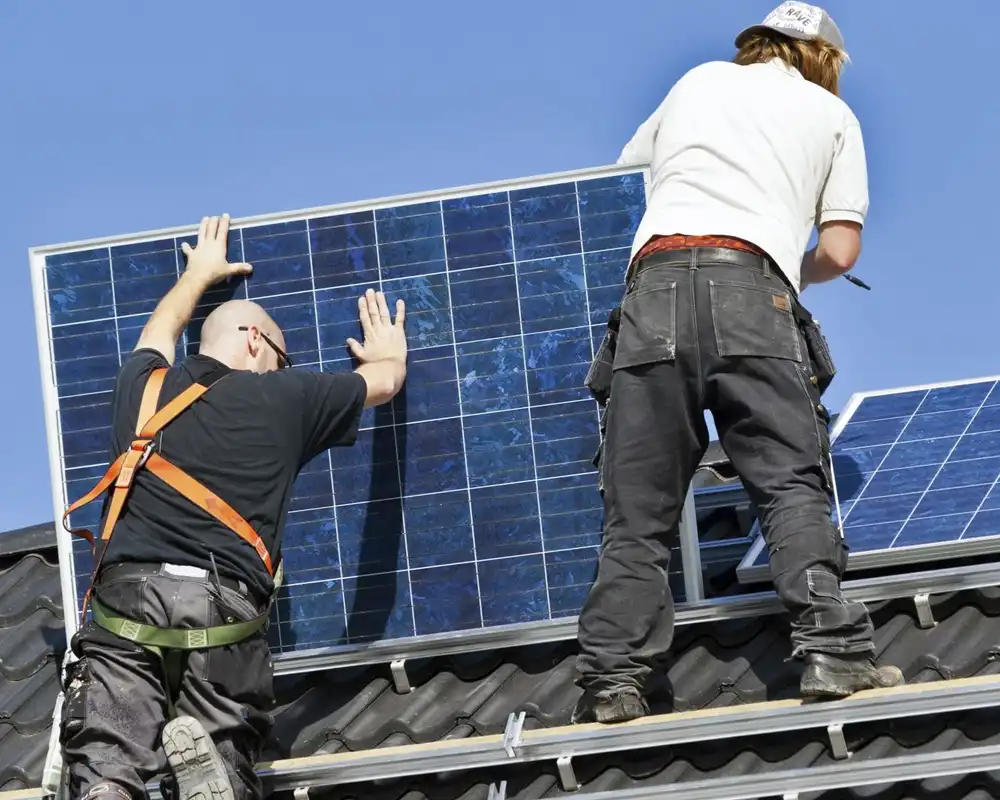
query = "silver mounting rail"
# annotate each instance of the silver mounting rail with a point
(563, 744)
(788, 783)
(888, 587)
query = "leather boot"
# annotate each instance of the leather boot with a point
(619, 705)
(828, 675)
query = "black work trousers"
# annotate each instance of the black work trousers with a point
(711, 329)
(116, 694)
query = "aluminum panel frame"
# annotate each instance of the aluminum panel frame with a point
(749, 572)
(43, 324)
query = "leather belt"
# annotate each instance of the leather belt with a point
(710, 256)
(707, 255)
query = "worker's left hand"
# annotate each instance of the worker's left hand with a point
(207, 259)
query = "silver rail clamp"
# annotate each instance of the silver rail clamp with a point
(498, 794)
(512, 733)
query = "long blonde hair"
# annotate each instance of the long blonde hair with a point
(818, 61)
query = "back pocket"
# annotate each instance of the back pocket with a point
(754, 321)
(648, 333)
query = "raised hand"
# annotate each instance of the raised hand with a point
(384, 339)
(207, 259)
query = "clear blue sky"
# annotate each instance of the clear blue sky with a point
(122, 116)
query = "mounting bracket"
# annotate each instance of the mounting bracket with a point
(838, 744)
(498, 794)
(512, 733)
(925, 614)
(400, 680)
(567, 775)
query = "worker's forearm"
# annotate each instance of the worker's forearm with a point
(817, 269)
(175, 309)
(384, 379)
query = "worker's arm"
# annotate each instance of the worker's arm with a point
(639, 150)
(840, 211)
(835, 254)
(206, 265)
(383, 353)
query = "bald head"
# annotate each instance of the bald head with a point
(223, 339)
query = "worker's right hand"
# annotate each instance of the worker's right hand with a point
(207, 259)
(384, 339)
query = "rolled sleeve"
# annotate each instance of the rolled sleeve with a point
(845, 196)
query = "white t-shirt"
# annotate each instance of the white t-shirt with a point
(755, 152)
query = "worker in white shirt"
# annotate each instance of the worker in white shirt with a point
(746, 158)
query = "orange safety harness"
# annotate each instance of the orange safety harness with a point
(142, 454)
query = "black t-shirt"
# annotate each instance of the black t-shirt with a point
(246, 440)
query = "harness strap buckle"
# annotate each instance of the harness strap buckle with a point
(135, 458)
(146, 447)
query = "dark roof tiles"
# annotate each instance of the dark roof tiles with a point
(714, 665)
(456, 697)
(670, 766)
(31, 636)
(28, 584)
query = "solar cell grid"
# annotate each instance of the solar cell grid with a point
(468, 502)
(916, 474)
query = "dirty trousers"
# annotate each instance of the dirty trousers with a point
(116, 694)
(711, 331)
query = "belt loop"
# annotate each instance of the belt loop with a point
(767, 266)
(694, 259)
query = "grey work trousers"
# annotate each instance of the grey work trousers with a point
(116, 693)
(702, 332)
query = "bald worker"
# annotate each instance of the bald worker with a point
(134, 706)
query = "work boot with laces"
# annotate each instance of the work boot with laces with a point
(828, 675)
(199, 771)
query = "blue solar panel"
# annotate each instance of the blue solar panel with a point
(471, 500)
(916, 474)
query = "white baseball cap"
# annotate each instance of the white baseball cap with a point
(798, 21)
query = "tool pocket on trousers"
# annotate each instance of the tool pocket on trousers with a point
(598, 379)
(74, 710)
(754, 321)
(648, 333)
(243, 672)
